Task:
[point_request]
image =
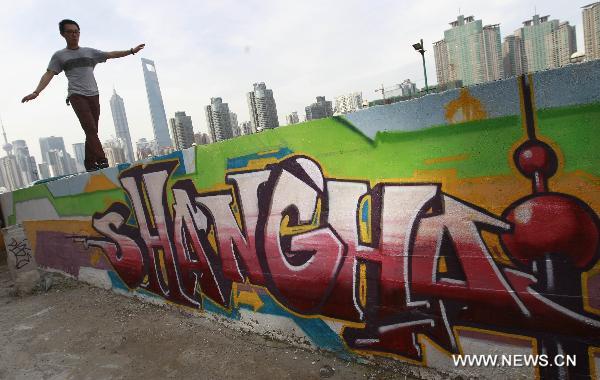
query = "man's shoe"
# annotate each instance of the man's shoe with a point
(102, 163)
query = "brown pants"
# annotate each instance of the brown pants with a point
(87, 109)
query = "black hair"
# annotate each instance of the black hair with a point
(61, 25)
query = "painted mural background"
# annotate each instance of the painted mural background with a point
(461, 222)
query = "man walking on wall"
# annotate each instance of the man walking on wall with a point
(78, 64)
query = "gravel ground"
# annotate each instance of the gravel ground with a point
(75, 331)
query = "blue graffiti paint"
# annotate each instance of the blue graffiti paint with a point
(315, 329)
(212, 307)
(180, 171)
(121, 167)
(365, 212)
(243, 161)
(116, 281)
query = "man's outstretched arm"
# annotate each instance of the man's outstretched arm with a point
(123, 53)
(46, 78)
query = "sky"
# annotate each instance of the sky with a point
(204, 49)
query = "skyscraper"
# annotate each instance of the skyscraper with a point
(155, 102)
(443, 68)
(261, 104)
(492, 43)
(319, 110)
(201, 138)
(591, 30)
(79, 151)
(348, 103)
(292, 118)
(247, 128)
(25, 161)
(10, 174)
(56, 156)
(144, 148)
(539, 44)
(50, 143)
(182, 130)
(469, 52)
(218, 120)
(59, 162)
(512, 56)
(115, 151)
(44, 170)
(235, 128)
(117, 107)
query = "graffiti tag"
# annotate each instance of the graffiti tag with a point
(398, 259)
(21, 252)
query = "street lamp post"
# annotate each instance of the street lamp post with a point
(419, 47)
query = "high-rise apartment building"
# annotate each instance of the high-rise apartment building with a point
(10, 174)
(114, 150)
(155, 102)
(348, 103)
(247, 128)
(117, 107)
(444, 70)
(79, 151)
(591, 30)
(469, 52)
(539, 44)
(51, 143)
(56, 156)
(320, 109)
(144, 148)
(512, 56)
(59, 162)
(182, 130)
(25, 161)
(218, 120)
(492, 43)
(408, 88)
(565, 44)
(262, 107)
(44, 170)
(235, 128)
(201, 138)
(292, 118)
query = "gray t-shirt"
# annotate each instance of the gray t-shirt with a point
(78, 66)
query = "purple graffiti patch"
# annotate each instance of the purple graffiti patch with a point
(56, 250)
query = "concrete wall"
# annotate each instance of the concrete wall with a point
(460, 223)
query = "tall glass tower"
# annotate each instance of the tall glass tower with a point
(155, 102)
(117, 107)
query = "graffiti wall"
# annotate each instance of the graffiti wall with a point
(470, 228)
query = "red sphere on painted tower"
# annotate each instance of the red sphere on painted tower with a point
(555, 224)
(536, 160)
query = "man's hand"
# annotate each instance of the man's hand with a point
(29, 97)
(124, 53)
(46, 78)
(138, 48)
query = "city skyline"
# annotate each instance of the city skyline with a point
(193, 67)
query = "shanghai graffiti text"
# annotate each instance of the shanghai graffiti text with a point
(394, 259)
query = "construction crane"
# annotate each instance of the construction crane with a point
(383, 89)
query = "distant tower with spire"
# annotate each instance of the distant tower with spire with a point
(10, 174)
(117, 107)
